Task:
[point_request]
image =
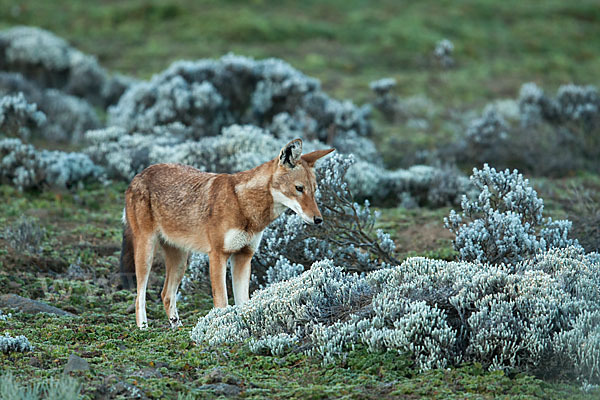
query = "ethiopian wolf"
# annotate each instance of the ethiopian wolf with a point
(180, 209)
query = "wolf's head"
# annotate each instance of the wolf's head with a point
(294, 183)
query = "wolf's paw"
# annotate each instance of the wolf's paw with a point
(175, 322)
(143, 326)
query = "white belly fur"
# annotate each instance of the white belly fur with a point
(237, 239)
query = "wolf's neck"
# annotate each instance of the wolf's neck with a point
(253, 190)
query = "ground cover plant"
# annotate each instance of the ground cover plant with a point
(420, 283)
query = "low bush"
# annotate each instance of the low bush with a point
(201, 97)
(51, 62)
(504, 222)
(64, 388)
(532, 316)
(546, 136)
(25, 234)
(17, 116)
(24, 167)
(11, 344)
(66, 117)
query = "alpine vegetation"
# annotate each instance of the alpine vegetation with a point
(443, 52)
(4, 317)
(17, 116)
(541, 134)
(52, 63)
(206, 95)
(24, 167)
(66, 117)
(386, 101)
(241, 147)
(65, 388)
(25, 234)
(504, 223)
(11, 344)
(511, 317)
(418, 185)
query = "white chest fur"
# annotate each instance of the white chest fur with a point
(237, 239)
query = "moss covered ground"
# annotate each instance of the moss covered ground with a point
(83, 228)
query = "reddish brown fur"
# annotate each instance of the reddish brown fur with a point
(183, 209)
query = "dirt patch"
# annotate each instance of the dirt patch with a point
(423, 237)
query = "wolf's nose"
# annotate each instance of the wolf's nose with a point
(318, 220)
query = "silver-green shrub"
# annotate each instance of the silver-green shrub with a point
(504, 223)
(67, 117)
(24, 167)
(522, 317)
(25, 234)
(291, 307)
(10, 344)
(206, 95)
(52, 63)
(443, 53)
(64, 388)
(17, 116)
(581, 346)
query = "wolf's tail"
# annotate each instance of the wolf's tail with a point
(127, 259)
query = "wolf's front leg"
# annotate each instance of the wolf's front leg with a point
(218, 271)
(241, 275)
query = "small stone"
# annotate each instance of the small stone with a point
(76, 363)
(215, 375)
(221, 389)
(130, 309)
(148, 373)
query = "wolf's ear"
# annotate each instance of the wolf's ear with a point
(290, 154)
(311, 158)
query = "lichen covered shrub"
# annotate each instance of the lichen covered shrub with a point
(11, 344)
(206, 95)
(238, 148)
(419, 184)
(65, 388)
(52, 63)
(17, 116)
(443, 52)
(66, 117)
(242, 147)
(504, 223)
(536, 316)
(291, 307)
(547, 135)
(25, 234)
(25, 167)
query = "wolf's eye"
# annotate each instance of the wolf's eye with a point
(300, 188)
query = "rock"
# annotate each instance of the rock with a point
(76, 363)
(24, 304)
(215, 375)
(148, 373)
(222, 389)
(130, 309)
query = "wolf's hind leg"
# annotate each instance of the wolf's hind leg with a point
(176, 263)
(144, 253)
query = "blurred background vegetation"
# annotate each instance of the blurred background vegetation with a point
(345, 43)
